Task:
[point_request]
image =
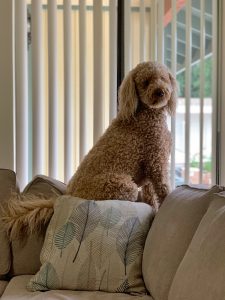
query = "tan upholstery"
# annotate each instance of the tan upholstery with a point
(30, 251)
(201, 273)
(44, 185)
(170, 235)
(3, 285)
(16, 290)
(183, 256)
(8, 184)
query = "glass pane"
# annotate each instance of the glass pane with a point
(181, 105)
(195, 69)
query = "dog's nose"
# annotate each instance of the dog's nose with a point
(159, 93)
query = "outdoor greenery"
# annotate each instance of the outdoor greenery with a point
(207, 164)
(195, 80)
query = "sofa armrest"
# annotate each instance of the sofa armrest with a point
(3, 285)
(8, 185)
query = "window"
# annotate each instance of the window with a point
(180, 33)
(200, 97)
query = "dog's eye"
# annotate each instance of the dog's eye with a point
(146, 83)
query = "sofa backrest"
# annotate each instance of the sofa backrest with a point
(170, 235)
(26, 256)
(202, 271)
(18, 258)
(8, 185)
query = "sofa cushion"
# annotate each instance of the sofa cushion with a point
(30, 250)
(202, 271)
(45, 186)
(8, 185)
(3, 285)
(170, 235)
(94, 245)
(16, 290)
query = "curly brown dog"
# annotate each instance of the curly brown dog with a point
(132, 153)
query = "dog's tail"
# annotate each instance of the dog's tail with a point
(27, 214)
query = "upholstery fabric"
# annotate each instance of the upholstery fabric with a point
(170, 235)
(16, 290)
(202, 271)
(30, 250)
(8, 184)
(45, 186)
(3, 285)
(94, 245)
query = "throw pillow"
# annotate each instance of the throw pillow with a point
(202, 271)
(94, 245)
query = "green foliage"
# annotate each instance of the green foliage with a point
(195, 80)
(207, 164)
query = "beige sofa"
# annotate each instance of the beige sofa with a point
(183, 259)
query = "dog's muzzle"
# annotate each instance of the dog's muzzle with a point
(159, 93)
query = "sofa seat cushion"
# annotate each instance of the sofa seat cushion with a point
(16, 290)
(170, 235)
(202, 271)
(94, 246)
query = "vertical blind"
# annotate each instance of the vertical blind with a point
(73, 84)
(182, 35)
(66, 81)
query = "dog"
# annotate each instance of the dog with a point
(133, 153)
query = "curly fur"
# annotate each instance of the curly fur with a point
(132, 153)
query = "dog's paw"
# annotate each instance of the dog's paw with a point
(163, 191)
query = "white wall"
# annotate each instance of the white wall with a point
(6, 84)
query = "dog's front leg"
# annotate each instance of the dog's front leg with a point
(158, 174)
(161, 184)
(149, 196)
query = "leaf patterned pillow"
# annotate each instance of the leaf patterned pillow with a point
(94, 246)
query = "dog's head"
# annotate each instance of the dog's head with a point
(151, 83)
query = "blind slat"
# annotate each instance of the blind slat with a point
(68, 109)
(83, 68)
(39, 154)
(153, 30)
(202, 84)
(160, 48)
(188, 88)
(98, 68)
(142, 30)
(174, 63)
(215, 171)
(53, 92)
(21, 77)
(112, 59)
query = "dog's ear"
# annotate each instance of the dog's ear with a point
(171, 106)
(128, 99)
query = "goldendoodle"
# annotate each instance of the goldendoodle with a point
(133, 152)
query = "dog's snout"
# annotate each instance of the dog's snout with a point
(159, 92)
